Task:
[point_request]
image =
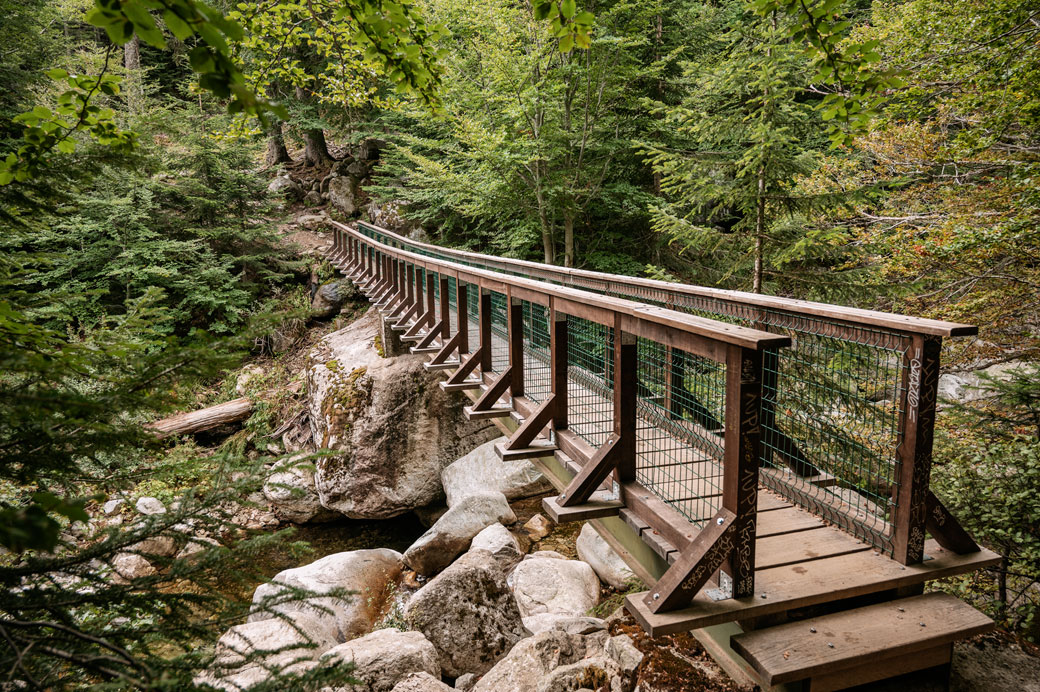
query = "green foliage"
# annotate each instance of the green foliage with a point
(851, 66)
(988, 473)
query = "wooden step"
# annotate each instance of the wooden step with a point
(446, 365)
(493, 412)
(427, 349)
(862, 645)
(461, 386)
(535, 451)
(599, 505)
(779, 589)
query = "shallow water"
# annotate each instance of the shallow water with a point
(337, 537)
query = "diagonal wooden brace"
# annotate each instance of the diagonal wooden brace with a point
(530, 428)
(402, 319)
(447, 349)
(696, 564)
(945, 528)
(594, 472)
(494, 391)
(466, 367)
(434, 332)
(420, 322)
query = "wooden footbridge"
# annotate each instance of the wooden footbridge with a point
(762, 463)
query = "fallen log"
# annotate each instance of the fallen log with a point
(204, 418)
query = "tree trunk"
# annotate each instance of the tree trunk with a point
(132, 63)
(568, 239)
(132, 54)
(760, 220)
(316, 151)
(276, 151)
(203, 419)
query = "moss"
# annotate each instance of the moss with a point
(378, 344)
(346, 397)
(332, 365)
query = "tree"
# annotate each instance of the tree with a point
(743, 138)
(534, 152)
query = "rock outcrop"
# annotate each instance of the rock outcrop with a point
(367, 573)
(392, 427)
(330, 298)
(482, 470)
(453, 532)
(607, 564)
(384, 658)
(469, 614)
(291, 492)
(547, 582)
(421, 682)
(497, 540)
(247, 654)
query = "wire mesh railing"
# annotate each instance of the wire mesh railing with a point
(839, 407)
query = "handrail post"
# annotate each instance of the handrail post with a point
(431, 300)
(558, 355)
(515, 330)
(917, 428)
(626, 368)
(445, 309)
(742, 453)
(485, 330)
(462, 310)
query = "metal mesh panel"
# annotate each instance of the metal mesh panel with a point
(832, 402)
(453, 306)
(590, 385)
(499, 332)
(680, 413)
(537, 373)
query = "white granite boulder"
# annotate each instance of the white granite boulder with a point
(501, 543)
(246, 655)
(482, 470)
(607, 564)
(366, 573)
(547, 582)
(469, 614)
(452, 533)
(384, 658)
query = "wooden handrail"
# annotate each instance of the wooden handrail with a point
(728, 538)
(904, 324)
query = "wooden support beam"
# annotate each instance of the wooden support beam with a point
(696, 564)
(494, 391)
(945, 528)
(532, 425)
(913, 472)
(445, 329)
(592, 473)
(446, 350)
(462, 313)
(515, 330)
(742, 454)
(593, 508)
(626, 369)
(468, 365)
(558, 366)
(431, 299)
(485, 330)
(430, 337)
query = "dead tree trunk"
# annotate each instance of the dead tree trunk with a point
(203, 419)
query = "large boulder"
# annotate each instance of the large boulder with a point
(391, 427)
(482, 470)
(558, 660)
(248, 654)
(385, 657)
(453, 532)
(368, 574)
(290, 490)
(497, 540)
(343, 193)
(468, 613)
(421, 682)
(547, 582)
(603, 559)
(284, 185)
(330, 297)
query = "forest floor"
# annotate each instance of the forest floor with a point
(678, 663)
